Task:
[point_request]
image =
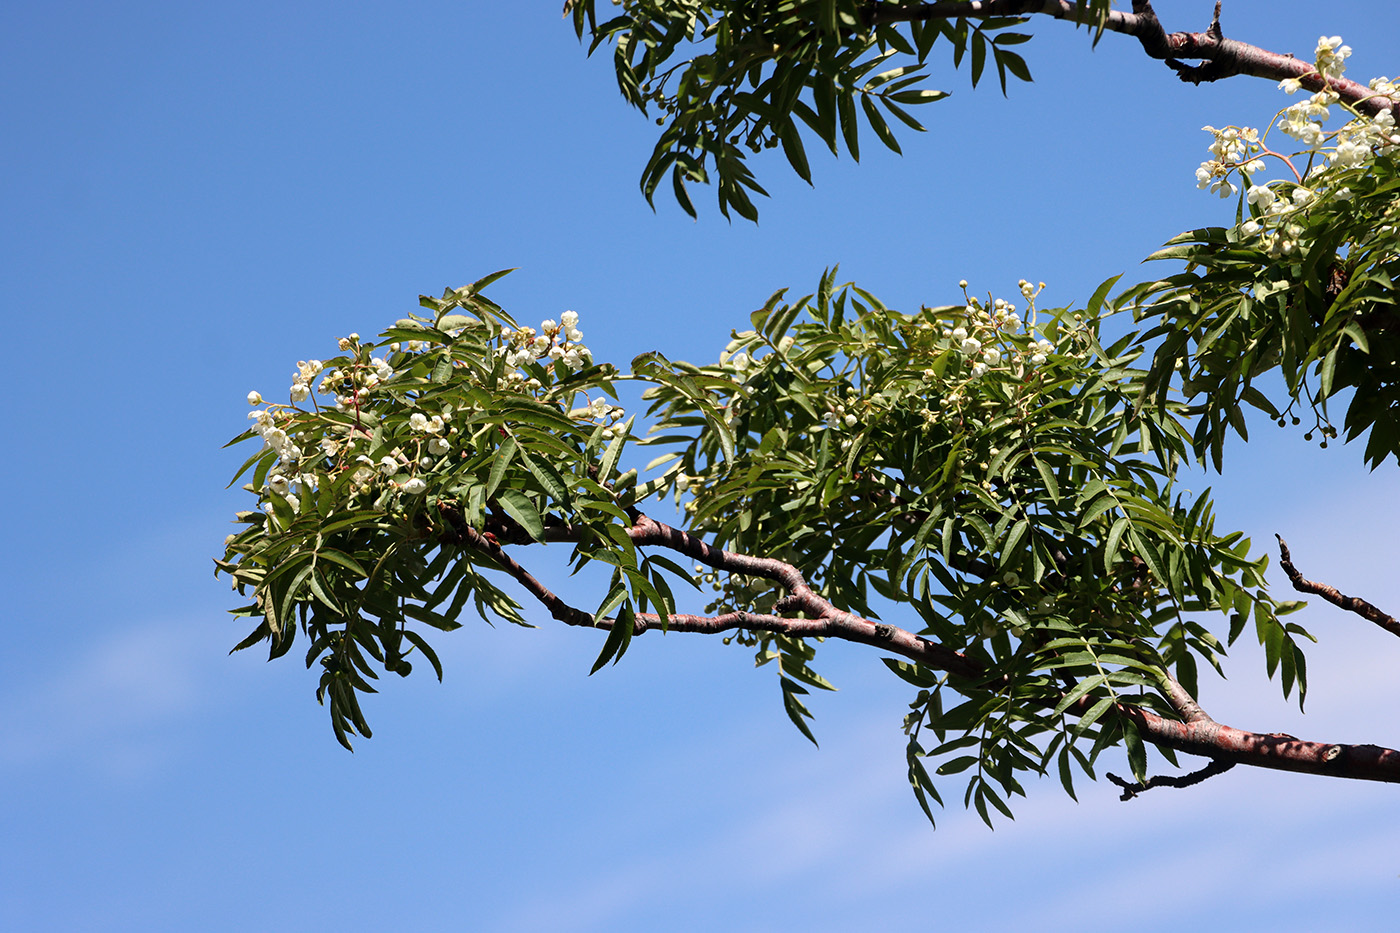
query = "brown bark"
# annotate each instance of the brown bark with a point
(1218, 56)
(1195, 733)
(1334, 596)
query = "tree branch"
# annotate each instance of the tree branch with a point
(1195, 734)
(1132, 788)
(1184, 703)
(1220, 57)
(1332, 594)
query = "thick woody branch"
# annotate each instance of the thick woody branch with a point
(1334, 596)
(1184, 703)
(1196, 733)
(1219, 57)
(1277, 751)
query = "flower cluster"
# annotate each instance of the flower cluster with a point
(837, 415)
(1233, 147)
(993, 339)
(1276, 206)
(560, 341)
(357, 383)
(1304, 120)
(977, 334)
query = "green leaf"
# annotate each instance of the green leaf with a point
(548, 477)
(795, 709)
(846, 108)
(619, 636)
(519, 507)
(609, 460)
(1112, 542)
(796, 154)
(878, 124)
(1137, 752)
(500, 464)
(1092, 716)
(343, 559)
(1047, 476)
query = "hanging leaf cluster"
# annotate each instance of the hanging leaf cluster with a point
(727, 80)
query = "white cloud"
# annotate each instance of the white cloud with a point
(110, 701)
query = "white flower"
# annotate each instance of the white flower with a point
(414, 486)
(991, 356)
(418, 421)
(1330, 56)
(1350, 153)
(1250, 227)
(1261, 196)
(438, 446)
(388, 466)
(569, 319)
(277, 439)
(971, 345)
(978, 369)
(574, 335)
(959, 334)
(1342, 194)
(548, 326)
(850, 421)
(300, 392)
(254, 398)
(682, 482)
(1290, 85)
(740, 361)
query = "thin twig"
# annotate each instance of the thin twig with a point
(1332, 594)
(1132, 788)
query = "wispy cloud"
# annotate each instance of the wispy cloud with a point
(110, 702)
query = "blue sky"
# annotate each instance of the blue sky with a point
(194, 197)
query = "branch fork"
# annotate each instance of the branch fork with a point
(1218, 56)
(807, 614)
